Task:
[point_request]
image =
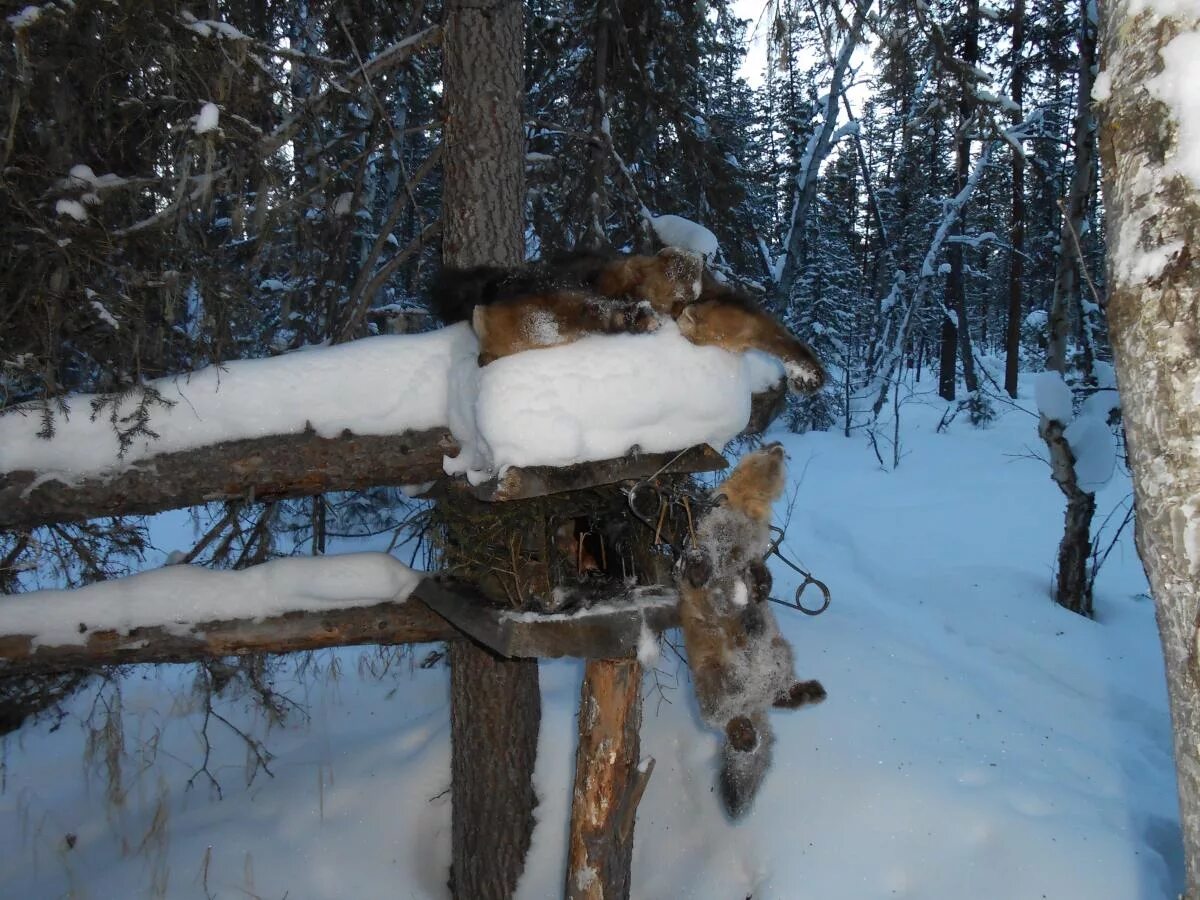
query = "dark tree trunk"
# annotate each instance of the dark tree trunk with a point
(1016, 259)
(957, 287)
(1072, 587)
(495, 707)
(947, 360)
(594, 237)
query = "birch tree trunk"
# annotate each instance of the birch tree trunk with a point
(1152, 194)
(495, 705)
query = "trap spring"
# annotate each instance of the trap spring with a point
(797, 602)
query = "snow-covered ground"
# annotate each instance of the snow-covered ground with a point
(977, 741)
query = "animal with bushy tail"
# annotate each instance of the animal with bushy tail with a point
(741, 665)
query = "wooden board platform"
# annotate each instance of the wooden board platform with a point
(606, 630)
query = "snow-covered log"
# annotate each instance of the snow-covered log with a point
(267, 468)
(185, 613)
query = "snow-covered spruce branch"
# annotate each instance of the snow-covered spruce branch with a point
(819, 145)
(385, 59)
(880, 381)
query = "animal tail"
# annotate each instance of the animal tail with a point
(745, 758)
(455, 293)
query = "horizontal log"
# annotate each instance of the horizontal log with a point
(439, 610)
(304, 464)
(410, 622)
(268, 468)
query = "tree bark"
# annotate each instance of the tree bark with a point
(609, 781)
(267, 468)
(495, 708)
(957, 286)
(384, 623)
(495, 705)
(1072, 587)
(1016, 258)
(1153, 209)
(1066, 274)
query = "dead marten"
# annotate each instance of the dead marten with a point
(551, 304)
(741, 665)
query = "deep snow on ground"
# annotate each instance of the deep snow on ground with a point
(977, 741)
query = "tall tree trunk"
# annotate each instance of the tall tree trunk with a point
(1073, 587)
(495, 706)
(1152, 199)
(594, 237)
(1016, 255)
(1067, 269)
(957, 287)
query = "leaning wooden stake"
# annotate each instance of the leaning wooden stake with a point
(609, 781)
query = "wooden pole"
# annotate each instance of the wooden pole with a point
(609, 781)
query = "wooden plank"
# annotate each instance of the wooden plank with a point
(540, 481)
(383, 623)
(609, 781)
(606, 630)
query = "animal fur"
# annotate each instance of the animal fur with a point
(741, 665)
(543, 306)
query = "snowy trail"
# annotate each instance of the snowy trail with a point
(977, 740)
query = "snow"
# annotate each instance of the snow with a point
(378, 385)
(978, 741)
(25, 17)
(1175, 86)
(72, 208)
(341, 205)
(1095, 451)
(598, 398)
(104, 315)
(181, 597)
(1053, 397)
(676, 231)
(207, 119)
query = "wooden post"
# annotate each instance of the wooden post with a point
(609, 781)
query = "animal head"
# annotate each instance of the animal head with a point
(756, 483)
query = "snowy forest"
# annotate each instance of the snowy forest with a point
(976, 219)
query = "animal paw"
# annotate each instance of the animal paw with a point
(759, 580)
(697, 569)
(804, 377)
(741, 734)
(802, 693)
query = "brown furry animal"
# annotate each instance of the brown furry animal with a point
(741, 665)
(544, 306)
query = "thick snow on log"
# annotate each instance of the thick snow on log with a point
(596, 399)
(178, 598)
(378, 385)
(600, 398)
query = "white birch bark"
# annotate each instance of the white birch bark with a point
(1152, 192)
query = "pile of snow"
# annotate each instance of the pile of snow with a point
(208, 119)
(1091, 439)
(676, 231)
(599, 398)
(379, 385)
(180, 597)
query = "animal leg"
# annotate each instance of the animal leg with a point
(802, 693)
